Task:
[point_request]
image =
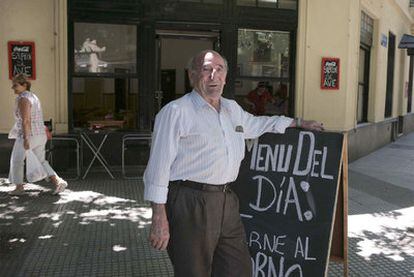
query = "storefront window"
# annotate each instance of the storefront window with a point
(104, 48)
(277, 4)
(204, 1)
(105, 102)
(262, 84)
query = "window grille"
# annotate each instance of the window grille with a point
(367, 26)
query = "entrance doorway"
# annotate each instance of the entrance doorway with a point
(175, 49)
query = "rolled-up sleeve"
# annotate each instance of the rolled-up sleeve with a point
(164, 147)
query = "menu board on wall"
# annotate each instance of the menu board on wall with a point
(330, 73)
(22, 59)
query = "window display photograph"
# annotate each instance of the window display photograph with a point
(103, 48)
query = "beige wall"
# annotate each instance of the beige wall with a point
(44, 23)
(390, 16)
(331, 28)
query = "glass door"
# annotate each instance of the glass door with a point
(174, 50)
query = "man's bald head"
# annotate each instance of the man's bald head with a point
(195, 63)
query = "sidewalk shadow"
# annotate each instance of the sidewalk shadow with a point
(376, 254)
(95, 227)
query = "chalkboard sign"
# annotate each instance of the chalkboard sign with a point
(22, 59)
(287, 188)
(330, 73)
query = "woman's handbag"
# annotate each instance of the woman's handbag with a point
(13, 134)
(34, 169)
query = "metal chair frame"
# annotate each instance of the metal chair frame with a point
(77, 150)
(129, 137)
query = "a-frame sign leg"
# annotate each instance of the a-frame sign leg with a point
(344, 188)
(339, 243)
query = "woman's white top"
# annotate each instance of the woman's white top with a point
(36, 116)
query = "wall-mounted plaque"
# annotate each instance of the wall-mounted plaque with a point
(22, 59)
(330, 73)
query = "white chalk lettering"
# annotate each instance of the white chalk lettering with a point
(303, 251)
(294, 200)
(283, 165)
(21, 69)
(299, 248)
(254, 154)
(323, 175)
(257, 206)
(254, 238)
(330, 82)
(279, 199)
(261, 157)
(278, 242)
(272, 243)
(278, 157)
(21, 49)
(263, 266)
(305, 171)
(291, 197)
(270, 157)
(21, 56)
(315, 163)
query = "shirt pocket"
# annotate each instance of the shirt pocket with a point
(238, 138)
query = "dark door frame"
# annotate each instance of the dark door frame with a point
(390, 76)
(365, 83)
(214, 36)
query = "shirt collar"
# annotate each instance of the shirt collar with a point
(201, 103)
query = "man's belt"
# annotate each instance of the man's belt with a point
(202, 186)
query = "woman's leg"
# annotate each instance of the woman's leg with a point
(16, 172)
(39, 150)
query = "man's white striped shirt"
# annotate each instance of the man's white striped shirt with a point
(192, 141)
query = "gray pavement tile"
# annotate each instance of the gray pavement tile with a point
(388, 192)
(84, 225)
(99, 226)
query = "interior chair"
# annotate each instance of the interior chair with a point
(61, 146)
(139, 145)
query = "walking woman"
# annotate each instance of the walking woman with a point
(29, 132)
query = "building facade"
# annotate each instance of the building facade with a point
(334, 61)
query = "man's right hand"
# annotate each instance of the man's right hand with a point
(160, 232)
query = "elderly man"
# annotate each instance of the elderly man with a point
(198, 145)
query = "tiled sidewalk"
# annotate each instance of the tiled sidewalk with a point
(99, 227)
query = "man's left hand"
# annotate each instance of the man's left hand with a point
(312, 125)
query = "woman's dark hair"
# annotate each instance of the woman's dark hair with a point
(22, 80)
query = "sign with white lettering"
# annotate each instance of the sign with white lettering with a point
(330, 73)
(287, 188)
(22, 59)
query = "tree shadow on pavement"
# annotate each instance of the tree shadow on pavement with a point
(95, 227)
